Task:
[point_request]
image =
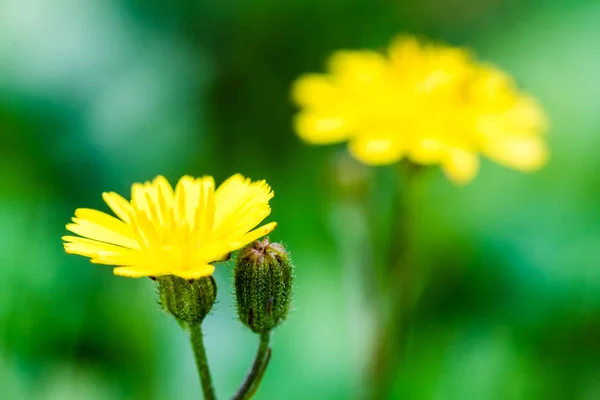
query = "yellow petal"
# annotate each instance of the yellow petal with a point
(146, 232)
(240, 206)
(118, 204)
(254, 235)
(164, 194)
(526, 153)
(427, 151)
(314, 90)
(134, 272)
(105, 220)
(377, 150)
(404, 50)
(103, 253)
(101, 233)
(461, 166)
(196, 272)
(353, 70)
(182, 197)
(93, 245)
(316, 127)
(528, 114)
(204, 215)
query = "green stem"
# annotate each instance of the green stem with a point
(260, 375)
(259, 366)
(201, 361)
(396, 311)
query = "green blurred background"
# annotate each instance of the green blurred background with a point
(97, 94)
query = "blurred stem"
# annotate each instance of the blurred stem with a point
(396, 309)
(201, 361)
(259, 366)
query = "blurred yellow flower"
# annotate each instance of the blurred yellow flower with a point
(428, 102)
(162, 231)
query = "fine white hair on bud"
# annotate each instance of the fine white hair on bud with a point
(189, 301)
(263, 281)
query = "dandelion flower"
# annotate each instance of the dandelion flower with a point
(430, 103)
(180, 232)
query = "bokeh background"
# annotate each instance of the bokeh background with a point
(97, 94)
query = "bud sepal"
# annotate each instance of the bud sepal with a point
(189, 301)
(263, 280)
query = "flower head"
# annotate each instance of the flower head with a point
(180, 232)
(430, 103)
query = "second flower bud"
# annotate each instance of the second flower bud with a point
(263, 285)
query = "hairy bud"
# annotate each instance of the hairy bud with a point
(263, 285)
(189, 301)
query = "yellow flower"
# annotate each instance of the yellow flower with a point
(180, 232)
(428, 102)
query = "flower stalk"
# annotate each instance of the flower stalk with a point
(259, 366)
(397, 308)
(197, 341)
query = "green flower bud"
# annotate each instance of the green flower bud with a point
(263, 285)
(189, 301)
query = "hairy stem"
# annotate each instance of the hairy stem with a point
(263, 355)
(202, 362)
